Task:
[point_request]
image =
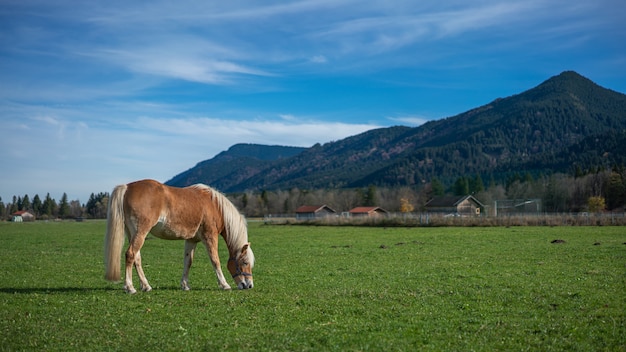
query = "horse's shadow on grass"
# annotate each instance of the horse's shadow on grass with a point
(52, 290)
(46, 290)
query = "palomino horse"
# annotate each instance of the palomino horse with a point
(195, 214)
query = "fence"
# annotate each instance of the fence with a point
(434, 219)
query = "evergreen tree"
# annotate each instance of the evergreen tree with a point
(614, 191)
(37, 205)
(437, 187)
(64, 207)
(244, 200)
(26, 203)
(528, 178)
(370, 198)
(97, 204)
(14, 206)
(91, 206)
(578, 172)
(48, 205)
(477, 185)
(461, 186)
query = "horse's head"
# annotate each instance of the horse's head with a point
(240, 267)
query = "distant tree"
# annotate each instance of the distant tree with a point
(512, 179)
(405, 205)
(555, 196)
(37, 205)
(528, 178)
(14, 206)
(48, 206)
(347, 199)
(97, 204)
(437, 187)
(596, 204)
(64, 207)
(614, 190)
(477, 185)
(253, 207)
(370, 197)
(461, 186)
(26, 203)
(2, 209)
(75, 208)
(578, 172)
(244, 200)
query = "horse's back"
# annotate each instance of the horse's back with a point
(172, 212)
(145, 194)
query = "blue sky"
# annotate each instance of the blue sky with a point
(94, 94)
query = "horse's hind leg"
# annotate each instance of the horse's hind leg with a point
(128, 279)
(190, 247)
(133, 258)
(143, 282)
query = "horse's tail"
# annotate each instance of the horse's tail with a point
(114, 238)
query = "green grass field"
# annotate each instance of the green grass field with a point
(324, 288)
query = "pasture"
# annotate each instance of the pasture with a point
(323, 289)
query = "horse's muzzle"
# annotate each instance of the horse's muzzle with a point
(245, 284)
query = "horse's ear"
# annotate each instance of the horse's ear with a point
(245, 247)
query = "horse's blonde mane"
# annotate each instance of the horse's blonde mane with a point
(234, 223)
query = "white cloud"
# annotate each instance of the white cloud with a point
(287, 117)
(169, 63)
(219, 134)
(319, 59)
(410, 120)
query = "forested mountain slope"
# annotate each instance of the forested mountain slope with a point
(233, 166)
(566, 122)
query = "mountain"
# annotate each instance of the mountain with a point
(566, 122)
(233, 166)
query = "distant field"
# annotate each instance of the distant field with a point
(324, 288)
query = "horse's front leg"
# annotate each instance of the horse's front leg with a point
(190, 247)
(211, 246)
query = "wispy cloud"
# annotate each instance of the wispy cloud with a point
(410, 120)
(177, 65)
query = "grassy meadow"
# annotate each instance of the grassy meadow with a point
(324, 289)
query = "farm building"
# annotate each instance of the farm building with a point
(458, 205)
(22, 215)
(307, 212)
(368, 211)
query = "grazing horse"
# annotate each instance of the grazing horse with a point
(195, 214)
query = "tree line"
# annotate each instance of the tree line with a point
(595, 191)
(48, 208)
(592, 191)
